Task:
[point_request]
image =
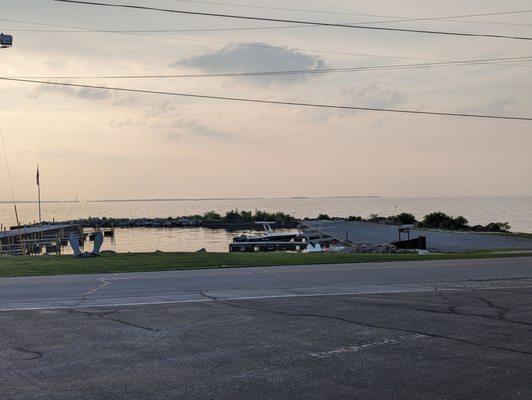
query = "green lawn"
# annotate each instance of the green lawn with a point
(135, 262)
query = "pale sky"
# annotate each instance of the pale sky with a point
(101, 145)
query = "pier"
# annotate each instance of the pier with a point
(33, 239)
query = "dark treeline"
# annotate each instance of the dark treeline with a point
(236, 219)
(435, 220)
(233, 219)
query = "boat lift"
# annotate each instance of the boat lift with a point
(6, 41)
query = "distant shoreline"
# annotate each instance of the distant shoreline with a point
(9, 202)
(190, 199)
(232, 199)
(42, 202)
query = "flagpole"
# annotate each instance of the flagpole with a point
(39, 194)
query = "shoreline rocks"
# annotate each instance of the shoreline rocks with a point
(247, 220)
(171, 222)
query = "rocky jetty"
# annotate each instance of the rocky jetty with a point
(233, 220)
(247, 220)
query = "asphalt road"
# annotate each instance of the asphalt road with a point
(374, 234)
(430, 330)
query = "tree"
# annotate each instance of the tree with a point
(211, 215)
(441, 220)
(404, 219)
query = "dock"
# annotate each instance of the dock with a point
(266, 246)
(33, 239)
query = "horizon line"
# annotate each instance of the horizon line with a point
(254, 198)
(187, 199)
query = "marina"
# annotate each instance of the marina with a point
(47, 239)
(200, 201)
(303, 239)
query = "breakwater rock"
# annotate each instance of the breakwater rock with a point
(247, 220)
(176, 222)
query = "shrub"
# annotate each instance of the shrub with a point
(323, 217)
(246, 216)
(441, 220)
(374, 218)
(403, 219)
(355, 218)
(498, 227)
(210, 215)
(277, 216)
(458, 223)
(232, 216)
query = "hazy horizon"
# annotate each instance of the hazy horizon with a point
(169, 199)
(108, 145)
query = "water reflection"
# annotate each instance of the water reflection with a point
(146, 240)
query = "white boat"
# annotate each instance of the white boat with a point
(269, 235)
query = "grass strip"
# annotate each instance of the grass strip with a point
(142, 262)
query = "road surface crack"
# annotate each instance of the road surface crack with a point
(34, 354)
(105, 316)
(449, 310)
(231, 303)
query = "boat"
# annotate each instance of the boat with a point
(269, 241)
(269, 235)
(305, 239)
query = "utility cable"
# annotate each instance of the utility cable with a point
(12, 192)
(449, 18)
(346, 13)
(490, 61)
(285, 103)
(292, 21)
(237, 44)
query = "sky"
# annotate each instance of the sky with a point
(98, 144)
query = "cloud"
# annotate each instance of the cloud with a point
(375, 96)
(255, 57)
(192, 128)
(496, 106)
(82, 93)
(371, 94)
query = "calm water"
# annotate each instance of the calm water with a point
(478, 210)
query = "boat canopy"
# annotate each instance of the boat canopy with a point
(6, 40)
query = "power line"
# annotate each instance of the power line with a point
(130, 31)
(494, 61)
(292, 21)
(450, 18)
(260, 101)
(155, 30)
(343, 12)
(75, 29)
(238, 44)
(7, 166)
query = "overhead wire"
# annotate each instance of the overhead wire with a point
(293, 21)
(75, 29)
(491, 61)
(449, 18)
(236, 44)
(154, 30)
(7, 165)
(344, 12)
(272, 102)
(13, 201)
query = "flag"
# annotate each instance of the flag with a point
(37, 176)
